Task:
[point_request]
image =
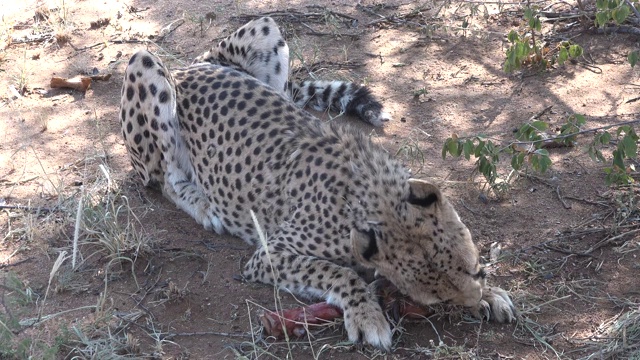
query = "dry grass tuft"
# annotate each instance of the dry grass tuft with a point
(616, 338)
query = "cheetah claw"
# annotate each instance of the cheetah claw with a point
(495, 305)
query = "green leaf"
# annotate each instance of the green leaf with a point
(605, 138)
(517, 160)
(633, 58)
(618, 159)
(595, 154)
(482, 165)
(459, 147)
(624, 128)
(468, 149)
(453, 147)
(444, 148)
(542, 152)
(540, 125)
(592, 152)
(479, 148)
(602, 18)
(613, 4)
(563, 55)
(545, 162)
(513, 36)
(620, 14)
(537, 24)
(490, 148)
(528, 14)
(575, 51)
(579, 119)
(629, 147)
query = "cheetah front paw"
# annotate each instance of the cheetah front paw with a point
(367, 324)
(207, 218)
(495, 305)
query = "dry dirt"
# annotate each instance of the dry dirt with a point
(434, 84)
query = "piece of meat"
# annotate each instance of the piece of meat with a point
(295, 322)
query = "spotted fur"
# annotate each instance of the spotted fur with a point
(221, 143)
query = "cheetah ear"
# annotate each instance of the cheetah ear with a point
(364, 245)
(423, 193)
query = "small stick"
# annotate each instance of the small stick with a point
(540, 113)
(566, 206)
(6, 265)
(27, 208)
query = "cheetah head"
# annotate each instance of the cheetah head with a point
(424, 249)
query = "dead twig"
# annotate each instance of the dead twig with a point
(566, 206)
(6, 265)
(599, 203)
(292, 15)
(205, 333)
(168, 30)
(33, 38)
(27, 208)
(118, 41)
(609, 240)
(401, 19)
(313, 32)
(622, 29)
(555, 187)
(19, 182)
(468, 208)
(326, 65)
(540, 113)
(568, 252)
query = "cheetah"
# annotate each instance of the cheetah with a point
(223, 143)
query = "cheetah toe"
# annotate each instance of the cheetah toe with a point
(205, 216)
(213, 223)
(495, 305)
(367, 324)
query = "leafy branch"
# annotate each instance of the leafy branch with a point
(529, 150)
(524, 49)
(618, 11)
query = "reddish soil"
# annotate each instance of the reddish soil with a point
(433, 85)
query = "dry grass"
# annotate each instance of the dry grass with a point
(616, 338)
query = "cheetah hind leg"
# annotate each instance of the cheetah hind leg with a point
(148, 82)
(258, 49)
